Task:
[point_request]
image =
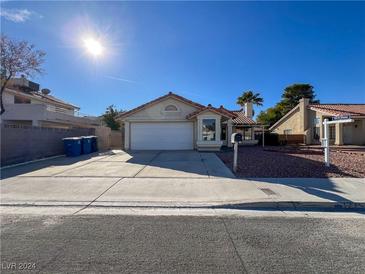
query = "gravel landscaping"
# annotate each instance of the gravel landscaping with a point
(287, 161)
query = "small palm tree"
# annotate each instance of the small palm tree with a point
(250, 97)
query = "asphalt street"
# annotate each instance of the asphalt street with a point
(181, 244)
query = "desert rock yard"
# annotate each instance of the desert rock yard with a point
(305, 162)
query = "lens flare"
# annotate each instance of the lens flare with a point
(93, 46)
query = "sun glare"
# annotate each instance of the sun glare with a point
(93, 46)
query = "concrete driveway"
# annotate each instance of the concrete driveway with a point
(151, 175)
(155, 178)
(155, 164)
(144, 164)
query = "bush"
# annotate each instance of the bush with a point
(271, 139)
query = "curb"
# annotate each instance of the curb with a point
(32, 161)
(97, 153)
(285, 205)
(300, 206)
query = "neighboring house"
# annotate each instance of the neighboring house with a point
(307, 119)
(245, 125)
(176, 123)
(25, 104)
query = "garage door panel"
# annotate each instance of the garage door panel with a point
(161, 136)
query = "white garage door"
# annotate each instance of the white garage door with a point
(162, 136)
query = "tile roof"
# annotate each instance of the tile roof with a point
(159, 99)
(221, 110)
(241, 119)
(340, 109)
(237, 115)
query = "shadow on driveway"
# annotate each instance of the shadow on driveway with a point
(147, 164)
(21, 169)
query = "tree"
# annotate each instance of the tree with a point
(18, 58)
(109, 117)
(290, 98)
(270, 116)
(250, 97)
(293, 93)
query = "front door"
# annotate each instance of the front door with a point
(224, 133)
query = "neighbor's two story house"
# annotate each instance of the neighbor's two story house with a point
(307, 119)
(26, 105)
(174, 122)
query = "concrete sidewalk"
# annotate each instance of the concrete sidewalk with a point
(258, 193)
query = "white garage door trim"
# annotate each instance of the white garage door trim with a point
(162, 136)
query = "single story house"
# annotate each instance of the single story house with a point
(307, 119)
(172, 122)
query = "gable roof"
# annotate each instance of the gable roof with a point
(241, 119)
(238, 116)
(284, 117)
(340, 109)
(159, 99)
(330, 109)
(221, 111)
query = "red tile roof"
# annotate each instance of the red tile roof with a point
(159, 99)
(238, 116)
(241, 119)
(340, 109)
(221, 111)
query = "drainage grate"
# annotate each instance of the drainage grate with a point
(268, 191)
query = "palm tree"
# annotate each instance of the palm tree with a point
(250, 97)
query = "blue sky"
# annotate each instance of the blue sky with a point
(206, 51)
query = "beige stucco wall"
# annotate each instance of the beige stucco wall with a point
(209, 115)
(359, 133)
(315, 119)
(303, 122)
(354, 133)
(156, 112)
(209, 145)
(293, 122)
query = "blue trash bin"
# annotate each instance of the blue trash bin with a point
(94, 143)
(72, 146)
(86, 144)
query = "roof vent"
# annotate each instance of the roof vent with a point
(45, 91)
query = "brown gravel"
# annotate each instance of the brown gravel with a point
(306, 162)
